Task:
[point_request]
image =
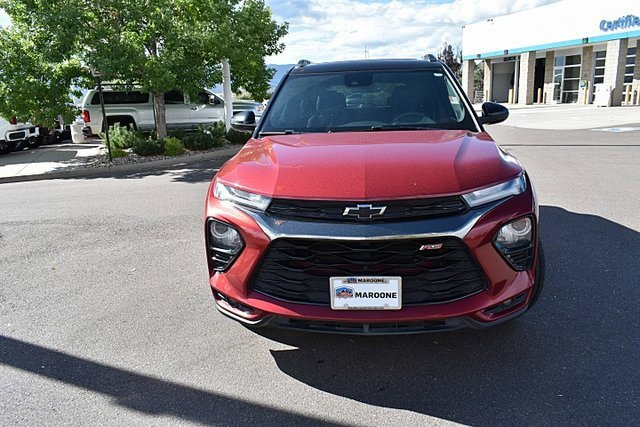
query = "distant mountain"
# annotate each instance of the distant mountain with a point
(281, 70)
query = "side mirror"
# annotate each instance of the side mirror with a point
(244, 121)
(493, 112)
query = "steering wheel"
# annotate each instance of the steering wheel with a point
(411, 117)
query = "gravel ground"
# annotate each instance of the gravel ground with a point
(102, 160)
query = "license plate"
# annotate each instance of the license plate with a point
(366, 293)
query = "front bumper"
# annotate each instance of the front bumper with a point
(508, 293)
(23, 134)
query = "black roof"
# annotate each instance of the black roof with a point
(367, 65)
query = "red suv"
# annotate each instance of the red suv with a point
(396, 214)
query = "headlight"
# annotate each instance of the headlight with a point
(496, 192)
(224, 244)
(240, 197)
(515, 241)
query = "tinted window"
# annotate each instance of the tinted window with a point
(351, 101)
(174, 97)
(121, 98)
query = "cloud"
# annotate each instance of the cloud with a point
(321, 30)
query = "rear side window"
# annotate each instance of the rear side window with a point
(174, 97)
(121, 98)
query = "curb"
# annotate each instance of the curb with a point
(124, 170)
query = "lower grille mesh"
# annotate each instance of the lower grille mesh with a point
(298, 270)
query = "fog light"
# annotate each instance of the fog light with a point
(225, 237)
(515, 241)
(515, 234)
(224, 243)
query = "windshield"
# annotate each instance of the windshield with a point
(369, 100)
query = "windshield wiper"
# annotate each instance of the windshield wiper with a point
(284, 132)
(396, 127)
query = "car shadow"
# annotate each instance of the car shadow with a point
(143, 393)
(572, 359)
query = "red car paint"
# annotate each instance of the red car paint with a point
(369, 166)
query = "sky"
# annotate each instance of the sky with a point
(4, 18)
(328, 30)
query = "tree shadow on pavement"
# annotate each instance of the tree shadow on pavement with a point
(143, 393)
(196, 172)
(572, 359)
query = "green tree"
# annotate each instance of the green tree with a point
(158, 45)
(452, 57)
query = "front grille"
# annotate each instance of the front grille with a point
(396, 210)
(298, 270)
(16, 135)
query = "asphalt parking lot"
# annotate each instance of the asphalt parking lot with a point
(106, 316)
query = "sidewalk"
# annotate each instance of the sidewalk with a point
(68, 161)
(46, 159)
(569, 116)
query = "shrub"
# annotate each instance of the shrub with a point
(218, 131)
(149, 147)
(121, 136)
(237, 137)
(205, 138)
(197, 141)
(173, 147)
(177, 133)
(118, 152)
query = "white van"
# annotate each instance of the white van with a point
(135, 108)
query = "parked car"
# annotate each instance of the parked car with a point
(135, 108)
(15, 136)
(398, 216)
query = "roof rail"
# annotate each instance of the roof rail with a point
(302, 63)
(429, 57)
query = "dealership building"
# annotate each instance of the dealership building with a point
(573, 51)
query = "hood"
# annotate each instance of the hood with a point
(369, 165)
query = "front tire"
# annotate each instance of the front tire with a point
(6, 147)
(33, 142)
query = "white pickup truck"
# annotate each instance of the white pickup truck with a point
(135, 108)
(14, 134)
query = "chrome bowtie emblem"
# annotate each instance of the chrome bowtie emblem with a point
(364, 211)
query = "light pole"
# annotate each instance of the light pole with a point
(98, 74)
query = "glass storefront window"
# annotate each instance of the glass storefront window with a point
(630, 65)
(566, 78)
(572, 60)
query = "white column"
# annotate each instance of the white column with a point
(488, 94)
(468, 71)
(526, 78)
(614, 68)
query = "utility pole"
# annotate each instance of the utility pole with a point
(366, 52)
(228, 95)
